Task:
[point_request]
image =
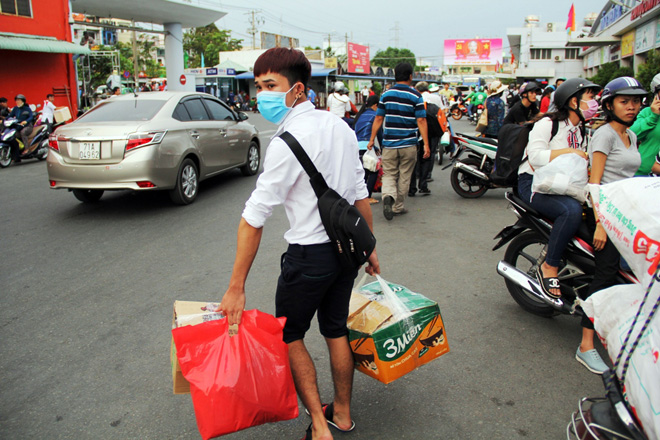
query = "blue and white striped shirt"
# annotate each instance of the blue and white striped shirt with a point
(401, 106)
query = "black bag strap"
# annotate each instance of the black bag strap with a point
(315, 178)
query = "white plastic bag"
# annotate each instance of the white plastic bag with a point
(613, 311)
(445, 139)
(629, 210)
(565, 175)
(370, 160)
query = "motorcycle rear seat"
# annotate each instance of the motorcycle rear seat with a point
(35, 132)
(483, 140)
(583, 231)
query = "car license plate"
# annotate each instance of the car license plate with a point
(90, 150)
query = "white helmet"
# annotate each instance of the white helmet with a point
(655, 84)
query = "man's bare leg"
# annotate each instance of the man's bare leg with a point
(341, 363)
(304, 377)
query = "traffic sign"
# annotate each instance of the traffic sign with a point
(182, 79)
(127, 74)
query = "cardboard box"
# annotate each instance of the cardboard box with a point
(386, 348)
(188, 313)
(62, 114)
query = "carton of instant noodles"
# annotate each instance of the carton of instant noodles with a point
(392, 333)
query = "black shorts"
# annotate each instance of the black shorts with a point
(312, 280)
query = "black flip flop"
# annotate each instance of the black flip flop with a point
(548, 283)
(329, 412)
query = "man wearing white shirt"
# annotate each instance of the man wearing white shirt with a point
(48, 112)
(312, 279)
(338, 103)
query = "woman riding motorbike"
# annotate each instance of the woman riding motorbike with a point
(573, 99)
(614, 156)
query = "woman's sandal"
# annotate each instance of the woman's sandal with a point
(548, 283)
(329, 412)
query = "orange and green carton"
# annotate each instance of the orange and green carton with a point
(386, 344)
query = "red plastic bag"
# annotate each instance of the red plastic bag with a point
(237, 381)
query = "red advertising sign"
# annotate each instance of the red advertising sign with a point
(473, 52)
(358, 58)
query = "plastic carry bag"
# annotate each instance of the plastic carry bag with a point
(237, 381)
(370, 160)
(445, 139)
(629, 210)
(565, 175)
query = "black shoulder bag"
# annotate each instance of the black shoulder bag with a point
(349, 232)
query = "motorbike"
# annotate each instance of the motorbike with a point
(472, 163)
(528, 243)
(457, 109)
(37, 142)
(476, 114)
(605, 418)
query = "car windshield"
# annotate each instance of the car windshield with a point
(131, 110)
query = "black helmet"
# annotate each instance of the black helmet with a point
(21, 97)
(572, 87)
(529, 87)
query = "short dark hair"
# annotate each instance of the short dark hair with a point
(49, 95)
(402, 72)
(291, 63)
(3, 99)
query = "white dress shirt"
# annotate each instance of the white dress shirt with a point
(333, 147)
(538, 149)
(48, 112)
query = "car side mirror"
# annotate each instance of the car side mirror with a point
(242, 116)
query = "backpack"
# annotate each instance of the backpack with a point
(512, 141)
(349, 232)
(433, 120)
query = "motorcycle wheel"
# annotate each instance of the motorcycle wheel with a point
(466, 185)
(456, 113)
(439, 154)
(43, 155)
(523, 252)
(5, 156)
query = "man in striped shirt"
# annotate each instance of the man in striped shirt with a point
(401, 109)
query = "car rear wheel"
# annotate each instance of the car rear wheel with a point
(251, 167)
(5, 156)
(187, 184)
(88, 195)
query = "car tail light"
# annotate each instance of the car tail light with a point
(52, 143)
(140, 139)
(145, 184)
(53, 183)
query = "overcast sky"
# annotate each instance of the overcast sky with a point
(423, 25)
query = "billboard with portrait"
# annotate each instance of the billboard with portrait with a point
(473, 52)
(358, 58)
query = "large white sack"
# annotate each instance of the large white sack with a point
(613, 310)
(630, 212)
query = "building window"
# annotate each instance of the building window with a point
(541, 54)
(16, 7)
(571, 54)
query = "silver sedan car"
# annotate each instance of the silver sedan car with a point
(152, 141)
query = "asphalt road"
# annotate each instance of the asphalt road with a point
(86, 307)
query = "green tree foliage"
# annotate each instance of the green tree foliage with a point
(609, 71)
(208, 40)
(378, 88)
(392, 56)
(649, 69)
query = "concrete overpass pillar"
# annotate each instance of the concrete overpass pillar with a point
(174, 55)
